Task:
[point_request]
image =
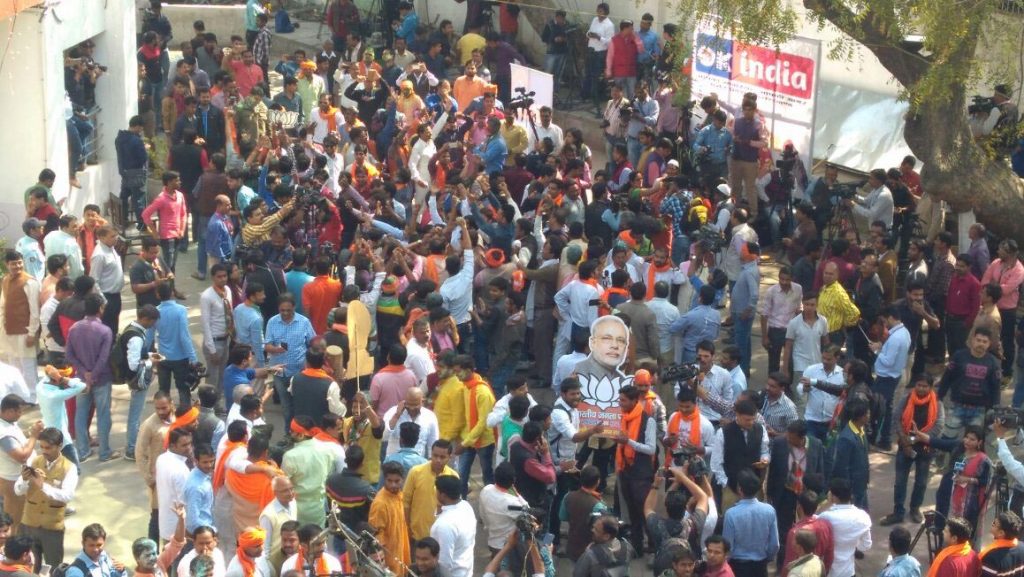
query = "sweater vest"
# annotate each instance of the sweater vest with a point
(16, 310)
(40, 510)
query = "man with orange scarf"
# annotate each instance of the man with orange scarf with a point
(308, 466)
(653, 407)
(957, 559)
(312, 559)
(387, 515)
(1005, 554)
(920, 411)
(661, 269)
(476, 438)
(249, 560)
(687, 429)
(251, 492)
(634, 462)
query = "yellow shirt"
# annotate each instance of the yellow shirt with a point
(388, 516)
(364, 437)
(835, 305)
(467, 44)
(420, 498)
(450, 408)
(476, 433)
(515, 140)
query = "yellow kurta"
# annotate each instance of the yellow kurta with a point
(387, 515)
(450, 408)
(420, 498)
(363, 436)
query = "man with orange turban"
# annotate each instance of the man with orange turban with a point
(249, 560)
(186, 417)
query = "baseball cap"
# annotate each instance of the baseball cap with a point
(31, 224)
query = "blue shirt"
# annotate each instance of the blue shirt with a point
(198, 497)
(718, 141)
(699, 323)
(234, 376)
(744, 293)
(492, 153)
(51, 404)
(252, 8)
(892, 359)
(295, 280)
(172, 336)
(249, 330)
(297, 334)
(750, 527)
(407, 457)
(408, 27)
(902, 566)
(218, 237)
(32, 254)
(104, 564)
(652, 50)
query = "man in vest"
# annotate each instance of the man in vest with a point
(578, 508)
(48, 484)
(741, 444)
(620, 64)
(19, 318)
(634, 461)
(273, 518)
(314, 393)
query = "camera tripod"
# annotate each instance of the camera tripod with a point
(570, 75)
(934, 538)
(842, 219)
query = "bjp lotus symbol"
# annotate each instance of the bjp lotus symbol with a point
(602, 392)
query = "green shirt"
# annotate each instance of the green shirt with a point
(308, 467)
(509, 429)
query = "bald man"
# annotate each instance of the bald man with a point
(835, 305)
(411, 410)
(278, 512)
(219, 232)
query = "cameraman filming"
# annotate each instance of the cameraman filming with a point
(1002, 112)
(711, 150)
(878, 204)
(1014, 468)
(687, 514)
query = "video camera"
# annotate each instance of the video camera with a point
(522, 100)
(526, 523)
(1011, 417)
(682, 455)
(679, 372)
(711, 238)
(846, 190)
(981, 103)
(195, 375)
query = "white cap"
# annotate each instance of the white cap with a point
(674, 163)
(724, 189)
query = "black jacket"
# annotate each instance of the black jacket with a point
(778, 471)
(212, 130)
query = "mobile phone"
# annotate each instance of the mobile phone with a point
(284, 346)
(548, 539)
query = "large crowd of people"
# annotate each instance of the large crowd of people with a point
(402, 256)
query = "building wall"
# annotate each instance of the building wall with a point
(32, 97)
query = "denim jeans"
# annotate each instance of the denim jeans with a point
(817, 429)
(135, 408)
(741, 335)
(169, 249)
(592, 79)
(98, 395)
(680, 249)
(200, 234)
(466, 459)
(958, 417)
(155, 91)
(553, 64)
(628, 85)
(634, 148)
(887, 386)
(920, 463)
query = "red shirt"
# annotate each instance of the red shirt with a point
(319, 296)
(822, 530)
(964, 297)
(965, 566)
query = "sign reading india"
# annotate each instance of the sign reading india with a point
(757, 66)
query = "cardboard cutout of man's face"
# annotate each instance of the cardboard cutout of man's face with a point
(609, 342)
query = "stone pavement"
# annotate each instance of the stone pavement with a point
(114, 495)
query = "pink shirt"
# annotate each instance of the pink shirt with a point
(171, 210)
(246, 76)
(389, 387)
(780, 307)
(1008, 279)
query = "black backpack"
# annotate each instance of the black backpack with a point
(119, 355)
(62, 569)
(613, 566)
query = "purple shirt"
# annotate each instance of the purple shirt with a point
(502, 56)
(746, 130)
(88, 349)
(389, 387)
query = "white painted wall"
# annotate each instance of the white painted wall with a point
(32, 99)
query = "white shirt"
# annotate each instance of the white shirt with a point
(63, 492)
(262, 569)
(718, 453)
(45, 313)
(429, 430)
(419, 162)
(10, 470)
(455, 530)
(494, 512)
(211, 306)
(419, 362)
(851, 531)
(606, 274)
(564, 426)
(321, 125)
(564, 368)
(821, 406)
(739, 380)
(273, 508)
(457, 291)
(806, 340)
(105, 266)
(552, 131)
(219, 568)
(335, 166)
(707, 433)
(332, 563)
(171, 474)
(573, 303)
(604, 29)
(13, 382)
(665, 313)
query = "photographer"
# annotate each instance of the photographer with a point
(556, 37)
(512, 549)
(608, 553)
(711, 149)
(1014, 467)
(644, 113)
(878, 204)
(687, 509)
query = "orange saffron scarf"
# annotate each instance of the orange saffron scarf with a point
(625, 455)
(320, 566)
(221, 468)
(673, 429)
(652, 277)
(248, 539)
(912, 403)
(253, 487)
(997, 544)
(958, 550)
(183, 421)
